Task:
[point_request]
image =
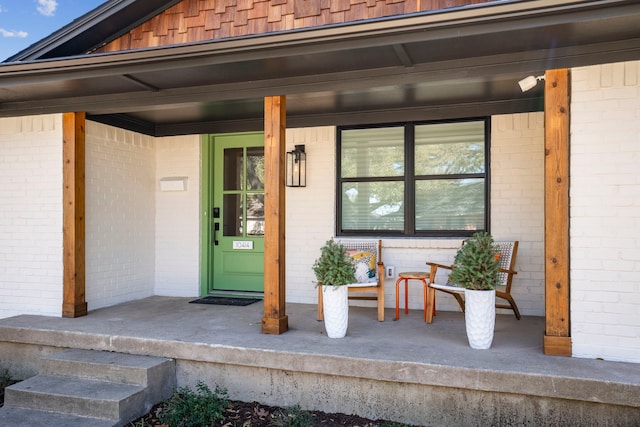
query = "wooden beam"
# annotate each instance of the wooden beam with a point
(556, 228)
(557, 346)
(275, 320)
(73, 197)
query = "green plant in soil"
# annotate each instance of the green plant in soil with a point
(334, 267)
(476, 264)
(188, 408)
(293, 417)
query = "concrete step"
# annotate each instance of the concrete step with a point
(81, 397)
(21, 417)
(156, 373)
(86, 387)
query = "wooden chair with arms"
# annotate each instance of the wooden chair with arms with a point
(367, 255)
(508, 251)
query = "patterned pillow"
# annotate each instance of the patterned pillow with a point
(365, 263)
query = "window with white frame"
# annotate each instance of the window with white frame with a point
(413, 179)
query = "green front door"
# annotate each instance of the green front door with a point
(237, 213)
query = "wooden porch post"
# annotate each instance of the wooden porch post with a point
(557, 340)
(275, 320)
(73, 199)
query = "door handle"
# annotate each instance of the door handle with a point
(216, 227)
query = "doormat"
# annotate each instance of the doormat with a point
(241, 302)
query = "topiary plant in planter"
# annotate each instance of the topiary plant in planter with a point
(335, 269)
(476, 265)
(476, 268)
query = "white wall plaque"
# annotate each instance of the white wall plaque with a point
(173, 183)
(243, 244)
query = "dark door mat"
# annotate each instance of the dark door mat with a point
(241, 302)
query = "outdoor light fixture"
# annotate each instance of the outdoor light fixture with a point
(529, 83)
(297, 167)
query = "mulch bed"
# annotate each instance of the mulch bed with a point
(252, 414)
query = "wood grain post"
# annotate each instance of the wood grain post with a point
(73, 211)
(275, 320)
(557, 340)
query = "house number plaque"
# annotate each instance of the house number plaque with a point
(243, 244)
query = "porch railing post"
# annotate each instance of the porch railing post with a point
(275, 320)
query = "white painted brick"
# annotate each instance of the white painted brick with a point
(31, 215)
(605, 132)
(316, 204)
(120, 211)
(631, 71)
(517, 200)
(177, 218)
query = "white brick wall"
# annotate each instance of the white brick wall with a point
(31, 215)
(605, 211)
(121, 213)
(177, 218)
(310, 210)
(517, 201)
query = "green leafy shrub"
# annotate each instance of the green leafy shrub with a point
(476, 264)
(293, 417)
(334, 267)
(188, 408)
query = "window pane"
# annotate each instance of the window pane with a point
(232, 215)
(255, 168)
(372, 152)
(373, 206)
(450, 204)
(450, 148)
(233, 169)
(255, 214)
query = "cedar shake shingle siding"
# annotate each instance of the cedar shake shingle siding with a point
(201, 20)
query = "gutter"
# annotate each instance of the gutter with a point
(441, 25)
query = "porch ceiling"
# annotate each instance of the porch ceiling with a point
(459, 62)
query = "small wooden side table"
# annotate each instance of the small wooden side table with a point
(423, 276)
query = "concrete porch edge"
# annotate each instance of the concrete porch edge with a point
(622, 392)
(405, 371)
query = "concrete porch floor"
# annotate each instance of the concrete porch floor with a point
(403, 370)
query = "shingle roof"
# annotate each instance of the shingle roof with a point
(93, 29)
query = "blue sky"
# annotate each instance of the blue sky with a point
(25, 22)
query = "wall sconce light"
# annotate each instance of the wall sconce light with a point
(529, 83)
(297, 167)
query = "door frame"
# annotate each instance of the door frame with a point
(206, 178)
(206, 206)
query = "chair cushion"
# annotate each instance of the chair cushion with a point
(365, 263)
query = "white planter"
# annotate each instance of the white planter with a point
(480, 317)
(336, 310)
